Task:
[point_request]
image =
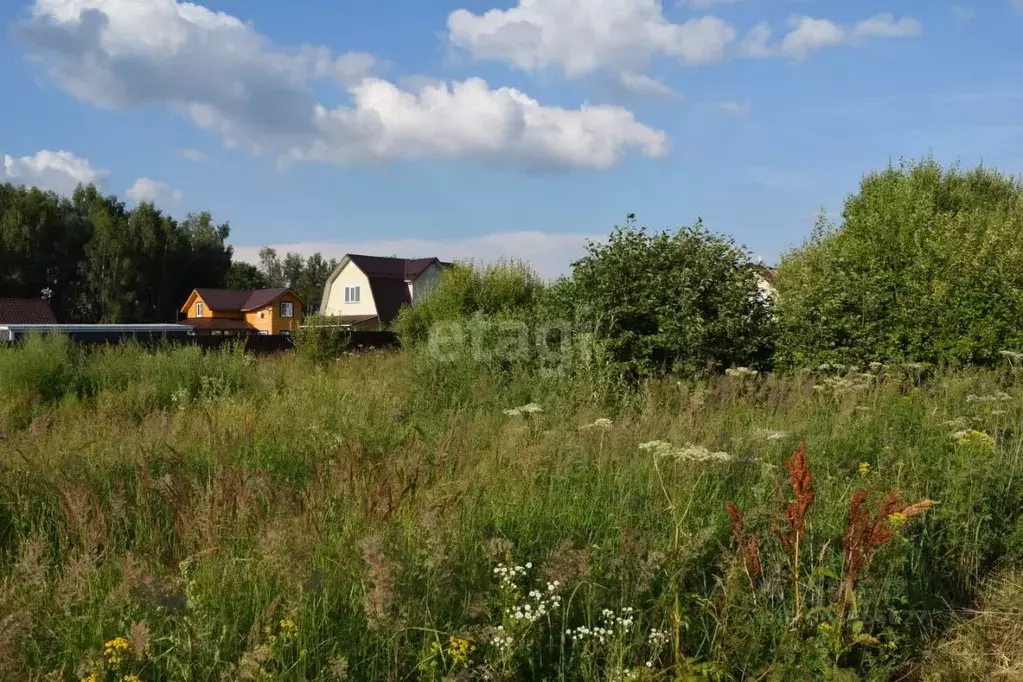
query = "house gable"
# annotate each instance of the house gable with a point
(385, 285)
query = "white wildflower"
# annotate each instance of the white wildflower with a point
(602, 423)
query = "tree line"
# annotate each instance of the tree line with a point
(96, 260)
(926, 266)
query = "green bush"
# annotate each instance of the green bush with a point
(927, 266)
(663, 302)
(321, 340)
(508, 289)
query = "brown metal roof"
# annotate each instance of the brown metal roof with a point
(396, 268)
(26, 311)
(240, 299)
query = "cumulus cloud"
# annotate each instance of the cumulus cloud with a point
(583, 36)
(549, 253)
(226, 77)
(146, 189)
(809, 35)
(58, 171)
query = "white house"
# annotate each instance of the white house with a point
(368, 291)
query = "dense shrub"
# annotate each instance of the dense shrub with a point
(662, 302)
(507, 289)
(322, 339)
(927, 265)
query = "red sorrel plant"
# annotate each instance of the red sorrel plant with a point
(749, 547)
(795, 512)
(865, 534)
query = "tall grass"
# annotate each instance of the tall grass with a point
(233, 517)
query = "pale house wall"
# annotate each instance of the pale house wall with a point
(349, 276)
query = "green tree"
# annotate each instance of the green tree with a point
(683, 301)
(927, 265)
(242, 275)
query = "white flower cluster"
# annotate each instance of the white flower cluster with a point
(507, 574)
(611, 625)
(501, 639)
(773, 435)
(740, 372)
(657, 638)
(688, 452)
(529, 408)
(539, 604)
(998, 397)
(1011, 354)
(602, 423)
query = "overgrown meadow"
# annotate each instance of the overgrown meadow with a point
(180, 515)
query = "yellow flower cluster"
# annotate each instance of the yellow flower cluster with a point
(115, 650)
(460, 649)
(289, 630)
(864, 468)
(898, 520)
(974, 437)
(131, 678)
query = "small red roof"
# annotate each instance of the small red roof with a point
(26, 311)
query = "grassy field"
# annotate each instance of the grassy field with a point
(186, 516)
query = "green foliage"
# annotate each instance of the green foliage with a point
(103, 262)
(322, 339)
(506, 290)
(662, 302)
(927, 266)
(243, 275)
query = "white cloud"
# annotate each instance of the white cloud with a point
(809, 35)
(885, 26)
(739, 109)
(582, 36)
(146, 189)
(59, 171)
(194, 155)
(645, 86)
(226, 77)
(703, 4)
(549, 253)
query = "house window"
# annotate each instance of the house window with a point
(287, 309)
(351, 294)
(199, 309)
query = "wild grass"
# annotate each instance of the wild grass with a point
(181, 515)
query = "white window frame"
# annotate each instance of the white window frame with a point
(291, 309)
(352, 294)
(200, 309)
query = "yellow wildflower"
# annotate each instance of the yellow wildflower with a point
(460, 649)
(92, 677)
(131, 678)
(974, 437)
(288, 629)
(115, 649)
(864, 468)
(898, 520)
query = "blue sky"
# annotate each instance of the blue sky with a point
(517, 128)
